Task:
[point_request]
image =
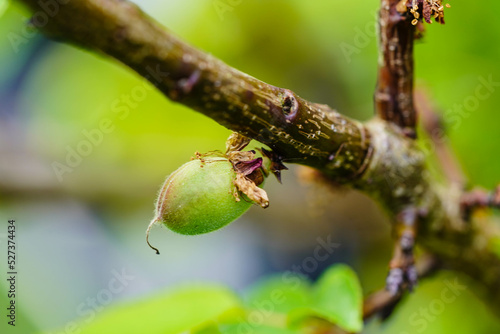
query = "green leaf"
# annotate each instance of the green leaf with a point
(337, 298)
(257, 329)
(207, 329)
(196, 309)
(281, 293)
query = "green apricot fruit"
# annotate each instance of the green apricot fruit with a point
(199, 197)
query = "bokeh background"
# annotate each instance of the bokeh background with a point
(76, 231)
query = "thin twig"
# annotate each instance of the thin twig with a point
(384, 301)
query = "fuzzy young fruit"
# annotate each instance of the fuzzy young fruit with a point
(199, 197)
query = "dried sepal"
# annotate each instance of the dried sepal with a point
(249, 170)
(248, 167)
(253, 192)
(401, 6)
(238, 156)
(257, 176)
(236, 142)
(249, 176)
(276, 163)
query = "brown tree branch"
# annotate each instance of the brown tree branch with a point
(479, 198)
(398, 23)
(394, 93)
(383, 301)
(377, 157)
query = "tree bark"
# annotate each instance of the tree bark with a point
(394, 93)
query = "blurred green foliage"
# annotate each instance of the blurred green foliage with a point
(337, 298)
(194, 308)
(443, 304)
(275, 305)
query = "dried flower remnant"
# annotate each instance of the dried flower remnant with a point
(249, 175)
(236, 142)
(425, 9)
(276, 163)
(249, 188)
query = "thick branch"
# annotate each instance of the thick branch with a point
(294, 128)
